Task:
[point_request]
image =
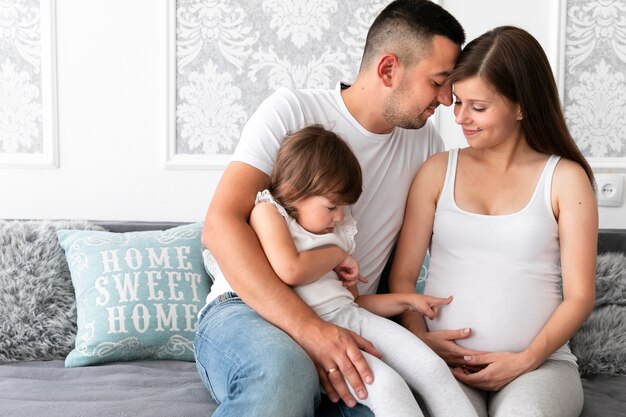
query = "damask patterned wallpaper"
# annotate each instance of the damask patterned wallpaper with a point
(232, 54)
(595, 71)
(21, 118)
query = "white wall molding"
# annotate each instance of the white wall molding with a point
(49, 157)
(560, 63)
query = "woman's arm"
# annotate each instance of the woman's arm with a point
(577, 215)
(291, 266)
(413, 242)
(415, 237)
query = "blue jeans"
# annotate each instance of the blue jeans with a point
(253, 368)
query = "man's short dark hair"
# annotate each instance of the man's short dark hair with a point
(407, 27)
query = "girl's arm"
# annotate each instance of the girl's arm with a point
(577, 215)
(388, 305)
(291, 266)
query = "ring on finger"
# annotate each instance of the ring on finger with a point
(331, 370)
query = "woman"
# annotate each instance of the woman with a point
(511, 222)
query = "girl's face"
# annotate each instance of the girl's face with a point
(487, 118)
(318, 214)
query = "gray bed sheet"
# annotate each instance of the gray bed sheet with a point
(137, 389)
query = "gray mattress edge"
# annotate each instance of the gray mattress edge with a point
(120, 389)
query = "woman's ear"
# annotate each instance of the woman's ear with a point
(387, 69)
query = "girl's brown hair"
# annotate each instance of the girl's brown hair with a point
(315, 161)
(514, 63)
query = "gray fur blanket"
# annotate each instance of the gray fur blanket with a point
(37, 302)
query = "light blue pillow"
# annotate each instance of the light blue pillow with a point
(421, 279)
(137, 294)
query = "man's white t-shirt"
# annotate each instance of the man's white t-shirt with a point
(388, 162)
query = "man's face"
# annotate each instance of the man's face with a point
(421, 87)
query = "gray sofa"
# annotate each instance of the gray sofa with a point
(172, 388)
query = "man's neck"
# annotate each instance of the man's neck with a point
(364, 103)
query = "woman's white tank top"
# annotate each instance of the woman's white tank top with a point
(503, 270)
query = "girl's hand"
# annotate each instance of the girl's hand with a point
(348, 272)
(498, 369)
(427, 305)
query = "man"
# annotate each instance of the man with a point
(260, 349)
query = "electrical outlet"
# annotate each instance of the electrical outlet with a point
(609, 188)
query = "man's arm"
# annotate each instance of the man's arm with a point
(240, 257)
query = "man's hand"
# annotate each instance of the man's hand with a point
(337, 355)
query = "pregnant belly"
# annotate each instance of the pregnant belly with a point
(502, 320)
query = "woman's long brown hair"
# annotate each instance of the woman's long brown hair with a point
(515, 64)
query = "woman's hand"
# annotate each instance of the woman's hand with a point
(443, 343)
(495, 370)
